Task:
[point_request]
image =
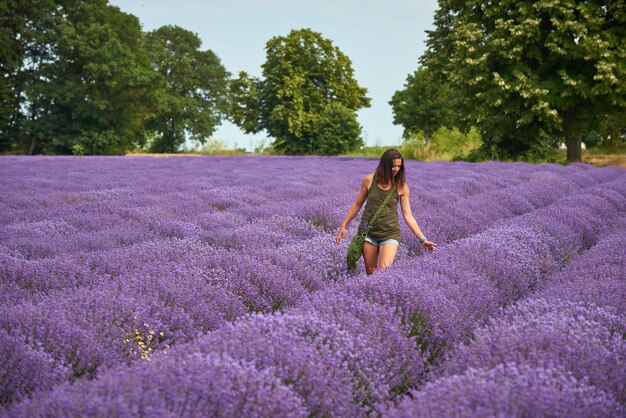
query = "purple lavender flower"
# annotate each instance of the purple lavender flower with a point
(597, 275)
(394, 362)
(26, 368)
(585, 340)
(108, 262)
(187, 385)
(508, 390)
(316, 359)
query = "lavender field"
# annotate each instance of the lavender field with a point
(212, 286)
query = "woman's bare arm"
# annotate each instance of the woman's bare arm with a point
(356, 206)
(405, 205)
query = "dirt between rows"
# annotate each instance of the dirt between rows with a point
(604, 160)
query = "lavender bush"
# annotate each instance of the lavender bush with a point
(509, 390)
(396, 363)
(585, 340)
(212, 286)
(192, 385)
(332, 370)
(597, 276)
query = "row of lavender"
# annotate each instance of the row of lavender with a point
(158, 253)
(355, 333)
(141, 201)
(559, 352)
(122, 211)
(68, 216)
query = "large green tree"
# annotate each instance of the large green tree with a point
(308, 87)
(192, 98)
(423, 105)
(82, 78)
(28, 28)
(523, 71)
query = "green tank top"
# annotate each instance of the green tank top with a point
(387, 226)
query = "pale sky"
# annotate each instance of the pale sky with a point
(384, 40)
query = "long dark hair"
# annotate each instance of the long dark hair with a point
(385, 165)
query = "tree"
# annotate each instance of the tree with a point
(192, 98)
(27, 30)
(423, 105)
(523, 71)
(9, 61)
(104, 92)
(82, 79)
(613, 129)
(305, 77)
(336, 131)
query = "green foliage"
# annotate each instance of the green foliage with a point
(78, 150)
(423, 105)
(81, 77)
(611, 133)
(615, 149)
(336, 131)
(369, 151)
(10, 53)
(306, 82)
(214, 146)
(538, 152)
(27, 29)
(219, 147)
(191, 97)
(78, 75)
(443, 144)
(523, 71)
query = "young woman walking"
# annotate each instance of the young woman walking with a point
(381, 244)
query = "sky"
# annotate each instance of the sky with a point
(383, 38)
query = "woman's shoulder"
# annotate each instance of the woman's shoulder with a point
(366, 183)
(368, 179)
(403, 189)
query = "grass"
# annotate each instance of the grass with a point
(601, 157)
(597, 156)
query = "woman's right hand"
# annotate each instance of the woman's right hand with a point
(340, 234)
(429, 245)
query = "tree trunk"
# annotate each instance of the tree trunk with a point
(574, 150)
(572, 138)
(33, 143)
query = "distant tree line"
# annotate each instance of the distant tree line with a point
(81, 77)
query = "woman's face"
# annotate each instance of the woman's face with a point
(397, 165)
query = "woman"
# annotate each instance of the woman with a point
(381, 244)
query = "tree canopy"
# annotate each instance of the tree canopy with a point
(524, 71)
(423, 105)
(192, 98)
(79, 78)
(307, 90)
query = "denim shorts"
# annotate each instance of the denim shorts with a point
(378, 242)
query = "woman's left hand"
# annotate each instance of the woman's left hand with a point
(429, 245)
(340, 234)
